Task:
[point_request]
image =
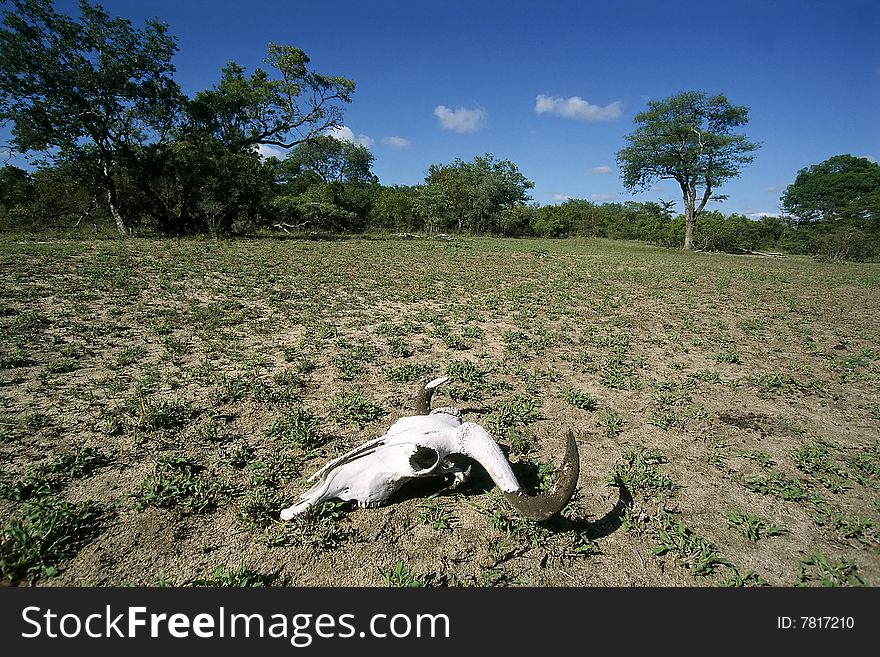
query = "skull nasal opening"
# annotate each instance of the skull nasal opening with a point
(424, 458)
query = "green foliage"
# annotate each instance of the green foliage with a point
(688, 138)
(241, 577)
(692, 550)
(44, 532)
(77, 463)
(516, 412)
(818, 567)
(354, 407)
(751, 526)
(580, 399)
(57, 93)
(612, 421)
(639, 471)
(178, 483)
(842, 190)
(436, 514)
(296, 427)
(400, 576)
(474, 193)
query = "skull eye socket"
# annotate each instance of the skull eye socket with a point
(424, 458)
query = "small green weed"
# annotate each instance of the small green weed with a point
(241, 577)
(818, 567)
(354, 407)
(751, 526)
(44, 532)
(408, 372)
(580, 399)
(516, 412)
(400, 576)
(779, 485)
(612, 422)
(639, 472)
(296, 427)
(436, 514)
(693, 551)
(178, 483)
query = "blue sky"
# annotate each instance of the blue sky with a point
(554, 86)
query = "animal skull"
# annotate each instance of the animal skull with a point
(426, 445)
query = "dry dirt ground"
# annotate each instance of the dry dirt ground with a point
(162, 400)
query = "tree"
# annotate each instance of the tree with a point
(286, 111)
(16, 188)
(99, 84)
(841, 191)
(687, 138)
(325, 159)
(476, 191)
(99, 81)
(328, 182)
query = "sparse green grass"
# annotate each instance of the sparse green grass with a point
(691, 550)
(240, 577)
(408, 372)
(44, 532)
(215, 349)
(780, 485)
(639, 471)
(518, 411)
(79, 462)
(580, 398)
(160, 414)
(401, 577)
(612, 422)
(751, 526)
(436, 514)
(178, 483)
(819, 568)
(296, 427)
(355, 408)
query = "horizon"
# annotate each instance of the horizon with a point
(554, 87)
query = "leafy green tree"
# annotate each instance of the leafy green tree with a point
(841, 191)
(101, 87)
(395, 208)
(292, 108)
(16, 188)
(477, 191)
(325, 159)
(99, 81)
(688, 138)
(327, 182)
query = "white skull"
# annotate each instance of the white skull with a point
(419, 446)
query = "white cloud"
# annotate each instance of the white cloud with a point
(870, 158)
(771, 189)
(560, 198)
(396, 142)
(600, 170)
(758, 215)
(577, 108)
(265, 150)
(344, 133)
(601, 197)
(460, 119)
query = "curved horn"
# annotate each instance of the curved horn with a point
(426, 391)
(476, 442)
(546, 505)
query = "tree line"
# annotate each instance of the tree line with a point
(123, 147)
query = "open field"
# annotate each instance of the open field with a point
(161, 401)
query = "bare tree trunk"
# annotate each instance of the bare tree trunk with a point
(689, 227)
(113, 198)
(688, 196)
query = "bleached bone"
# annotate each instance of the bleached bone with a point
(421, 446)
